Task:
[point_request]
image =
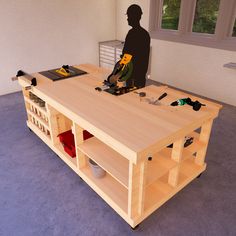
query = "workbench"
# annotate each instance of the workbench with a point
(130, 138)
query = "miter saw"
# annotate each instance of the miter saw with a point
(122, 71)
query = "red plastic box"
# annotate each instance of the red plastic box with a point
(68, 141)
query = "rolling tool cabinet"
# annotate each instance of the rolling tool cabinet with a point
(130, 138)
(109, 53)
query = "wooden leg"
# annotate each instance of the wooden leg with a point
(53, 124)
(204, 137)
(176, 155)
(78, 135)
(137, 176)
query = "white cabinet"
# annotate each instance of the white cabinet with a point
(109, 53)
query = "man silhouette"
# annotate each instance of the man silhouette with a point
(137, 43)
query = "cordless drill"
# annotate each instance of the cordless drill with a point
(180, 102)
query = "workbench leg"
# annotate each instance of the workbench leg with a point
(53, 124)
(176, 155)
(204, 138)
(78, 136)
(137, 177)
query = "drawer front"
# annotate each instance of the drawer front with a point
(107, 61)
(107, 49)
(107, 56)
(106, 65)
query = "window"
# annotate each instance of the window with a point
(234, 29)
(209, 23)
(170, 14)
(206, 12)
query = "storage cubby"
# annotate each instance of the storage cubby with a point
(107, 187)
(37, 114)
(156, 193)
(160, 165)
(63, 124)
(110, 160)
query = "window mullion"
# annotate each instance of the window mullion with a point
(224, 20)
(189, 15)
(159, 20)
(233, 18)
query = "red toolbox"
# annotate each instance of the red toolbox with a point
(68, 141)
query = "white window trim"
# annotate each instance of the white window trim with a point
(222, 38)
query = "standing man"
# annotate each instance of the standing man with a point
(137, 43)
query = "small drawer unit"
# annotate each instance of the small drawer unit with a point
(109, 53)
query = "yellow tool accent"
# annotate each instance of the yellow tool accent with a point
(63, 72)
(126, 59)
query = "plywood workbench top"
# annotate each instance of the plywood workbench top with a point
(124, 122)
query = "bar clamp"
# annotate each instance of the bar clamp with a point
(32, 80)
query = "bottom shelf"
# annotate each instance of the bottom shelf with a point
(45, 137)
(115, 194)
(160, 191)
(65, 156)
(58, 149)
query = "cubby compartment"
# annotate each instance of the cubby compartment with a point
(108, 187)
(159, 165)
(37, 115)
(65, 145)
(111, 161)
(193, 148)
(156, 193)
(189, 170)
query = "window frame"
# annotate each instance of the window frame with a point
(221, 39)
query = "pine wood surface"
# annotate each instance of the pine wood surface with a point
(124, 122)
(127, 130)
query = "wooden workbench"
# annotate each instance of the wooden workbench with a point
(127, 132)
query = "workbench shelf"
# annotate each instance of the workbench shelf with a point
(189, 170)
(160, 190)
(159, 166)
(108, 188)
(44, 136)
(111, 161)
(66, 157)
(37, 115)
(156, 193)
(36, 107)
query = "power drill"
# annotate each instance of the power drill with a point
(180, 102)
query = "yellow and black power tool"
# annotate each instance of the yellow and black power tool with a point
(64, 70)
(122, 71)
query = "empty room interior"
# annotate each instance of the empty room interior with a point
(118, 117)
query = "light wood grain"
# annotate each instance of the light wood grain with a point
(92, 110)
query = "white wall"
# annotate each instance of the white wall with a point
(40, 35)
(193, 68)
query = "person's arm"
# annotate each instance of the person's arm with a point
(128, 44)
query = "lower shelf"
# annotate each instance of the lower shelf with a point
(160, 191)
(46, 138)
(115, 194)
(66, 156)
(58, 149)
